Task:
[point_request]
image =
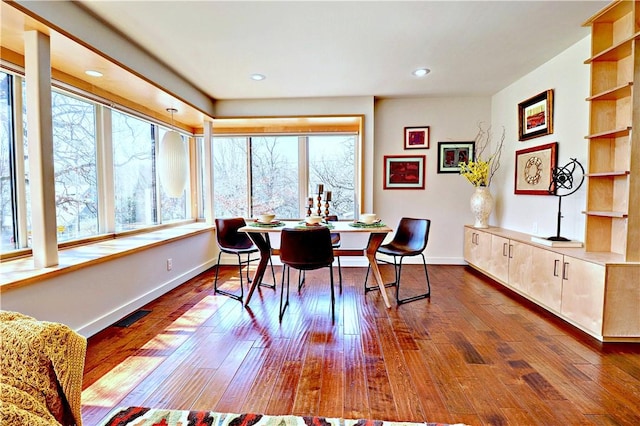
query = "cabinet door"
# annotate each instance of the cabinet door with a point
(583, 293)
(545, 284)
(477, 248)
(520, 266)
(499, 258)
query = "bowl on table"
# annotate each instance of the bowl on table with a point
(314, 219)
(368, 218)
(266, 218)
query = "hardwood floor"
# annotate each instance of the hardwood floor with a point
(475, 353)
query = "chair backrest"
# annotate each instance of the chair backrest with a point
(227, 234)
(412, 234)
(306, 249)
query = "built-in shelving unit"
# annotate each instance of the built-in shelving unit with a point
(613, 178)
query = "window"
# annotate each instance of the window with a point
(134, 172)
(282, 171)
(8, 233)
(74, 158)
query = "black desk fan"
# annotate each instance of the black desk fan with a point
(563, 184)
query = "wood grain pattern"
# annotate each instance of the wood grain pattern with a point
(476, 353)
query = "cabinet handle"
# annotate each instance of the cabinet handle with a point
(504, 249)
(555, 267)
(474, 238)
(565, 271)
(510, 251)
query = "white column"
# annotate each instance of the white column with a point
(44, 241)
(207, 172)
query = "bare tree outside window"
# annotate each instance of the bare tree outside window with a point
(7, 211)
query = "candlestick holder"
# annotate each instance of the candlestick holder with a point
(319, 204)
(326, 208)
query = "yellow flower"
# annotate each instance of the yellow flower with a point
(476, 172)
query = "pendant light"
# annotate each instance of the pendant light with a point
(173, 162)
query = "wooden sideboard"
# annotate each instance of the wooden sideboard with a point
(599, 293)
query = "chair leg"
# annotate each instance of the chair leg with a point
(340, 273)
(419, 296)
(224, 292)
(273, 275)
(285, 271)
(375, 287)
(333, 295)
(302, 276)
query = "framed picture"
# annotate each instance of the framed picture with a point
(452, 153)
(535, 116)
(534, 170)
(416, 137)
(404, 172)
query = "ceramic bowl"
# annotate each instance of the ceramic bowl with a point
(313, 219)
(368, 218)
(266, 217)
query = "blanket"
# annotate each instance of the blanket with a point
(41, 369)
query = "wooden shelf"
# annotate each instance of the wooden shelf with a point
(608, 174)
(616, 52)
(620, 215)
(613, 94)
(614, 133)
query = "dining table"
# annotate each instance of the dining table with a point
(259, 234)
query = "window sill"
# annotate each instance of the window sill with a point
(21, 272)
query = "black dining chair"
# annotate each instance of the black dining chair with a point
(231, 241)
(410, 239)
(305, 250)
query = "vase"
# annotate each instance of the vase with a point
(481, 205)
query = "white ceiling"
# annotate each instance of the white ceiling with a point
(355, 48)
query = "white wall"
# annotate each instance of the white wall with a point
(92, 298)
(445, 199)
(569, 77)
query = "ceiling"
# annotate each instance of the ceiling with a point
(316, 48)
(350, 48)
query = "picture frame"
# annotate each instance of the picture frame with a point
(404, 172)
(535, 116)
(452, 153)
(534, 170)
(416, 137)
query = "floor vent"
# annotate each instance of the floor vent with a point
(127, 321)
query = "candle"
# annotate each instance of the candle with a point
(320, 188)
(328, 198)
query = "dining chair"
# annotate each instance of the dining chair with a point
(410, 239)
(231, 241)
(305, 250)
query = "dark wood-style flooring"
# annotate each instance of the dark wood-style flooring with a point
(475, 353)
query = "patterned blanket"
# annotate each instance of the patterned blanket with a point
(141, 416)
(41, 369)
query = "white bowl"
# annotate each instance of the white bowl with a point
(313, 219)
(266, 217)
(368, 218)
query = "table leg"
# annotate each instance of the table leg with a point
(262, 242)
(375, 240)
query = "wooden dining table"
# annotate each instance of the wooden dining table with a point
(259, 234)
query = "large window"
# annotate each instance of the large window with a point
(130, 198)
(282, 172)
(74, 159)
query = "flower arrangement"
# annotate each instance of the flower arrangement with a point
(481, 171)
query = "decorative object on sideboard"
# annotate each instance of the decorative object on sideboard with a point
(479, 171)
(535, 116)
(173, 161)
(566, 180)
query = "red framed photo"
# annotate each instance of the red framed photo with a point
(416, 137)
(404, 172)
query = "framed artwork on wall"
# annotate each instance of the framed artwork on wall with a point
(404, 172)
(535, 116)
(452, 153)
(534, 170)
(416, 137)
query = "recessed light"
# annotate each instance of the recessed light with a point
(421, 72)
(257, 77)
(93, 73)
